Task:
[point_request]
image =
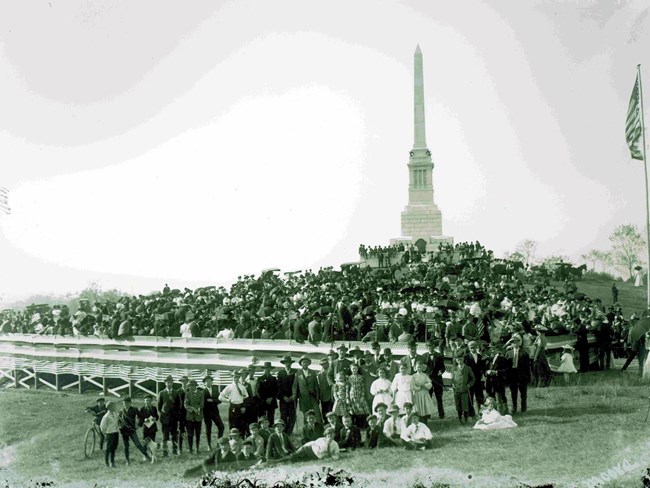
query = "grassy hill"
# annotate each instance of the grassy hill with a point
(571, 433)
(631, 298)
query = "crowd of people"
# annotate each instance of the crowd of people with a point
(460, 292)
(354, 400)
(392, 255)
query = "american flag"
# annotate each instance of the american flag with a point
(4, 200)
(633, 123)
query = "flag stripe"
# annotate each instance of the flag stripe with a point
(633, 127)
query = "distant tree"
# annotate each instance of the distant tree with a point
(527, 249)
(627, 246)
(595, 257)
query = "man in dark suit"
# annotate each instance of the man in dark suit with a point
(148, 420)
(349, 435)
(340, 364)
(411, 358)
(435, 362)
(286, 379)
(518, 373)
(495, 377)
(279, 445)
(168, 409)
(475, 361)
(324, 388)
(182, 413)
(312, 429)
(267, 390)
(305, 388)
(211, 410)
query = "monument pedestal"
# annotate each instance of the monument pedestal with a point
(429, 243)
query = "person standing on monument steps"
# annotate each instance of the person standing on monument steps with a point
(286, 379)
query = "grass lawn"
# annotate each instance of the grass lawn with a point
(569, 435)
(631, 298)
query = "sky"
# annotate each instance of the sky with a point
(144, 143)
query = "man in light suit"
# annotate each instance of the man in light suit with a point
(305, 389)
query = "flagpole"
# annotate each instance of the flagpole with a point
(647, 203)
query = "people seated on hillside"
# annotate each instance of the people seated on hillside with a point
(416, 435)
(323, 448)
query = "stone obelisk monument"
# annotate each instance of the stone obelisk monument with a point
(421, 219)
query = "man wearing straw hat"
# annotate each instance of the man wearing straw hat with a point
(286, 398)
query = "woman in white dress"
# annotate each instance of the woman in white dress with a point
(421, 397)
(401, 387)
(566, 362)
(381, 390)
(491, 419)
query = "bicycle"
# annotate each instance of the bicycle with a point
(90, 439)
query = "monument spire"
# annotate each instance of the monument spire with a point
(421, 219)
(418, 101)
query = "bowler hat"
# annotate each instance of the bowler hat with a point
(287, 360)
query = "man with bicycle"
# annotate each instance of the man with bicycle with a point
(98, 411)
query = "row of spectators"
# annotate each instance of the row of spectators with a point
(462, 291)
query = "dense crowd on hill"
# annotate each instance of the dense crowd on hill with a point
(460, 293)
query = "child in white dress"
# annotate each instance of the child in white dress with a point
(566, 365)
(491, 419)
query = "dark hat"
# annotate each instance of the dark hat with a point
(279, 422)
(342, 347)
(169, 378)
(184, 378)
(356, 352)
(101, 399)
(287, 360)
(408, 404)
(234, 431)
(333, 353)
(127, 399)
(223, 440)
(193, 382)
(387, 350)
(208, 377)
(304, 358)
(253, 424)
(324, 360)
(375, 346)
(380, 404)
(309, 413)
(267, 364)
(393, 408)
(411, 343)
(371, 417)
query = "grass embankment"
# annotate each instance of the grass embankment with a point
(570, 434)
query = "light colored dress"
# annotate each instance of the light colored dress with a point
(357, 394)
(340, 396)
(491, 419)
(566, 364)
(381, 391)
(401, 387)
(422, 402)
